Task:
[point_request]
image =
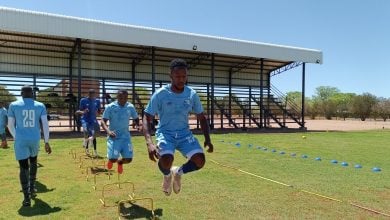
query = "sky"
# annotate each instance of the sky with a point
(354, 36)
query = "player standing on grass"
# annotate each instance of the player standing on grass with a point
(118, 114)
(3, 125)
(173, 103)
(89, 108)
(25, 118)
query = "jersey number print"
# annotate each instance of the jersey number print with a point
(28, 118)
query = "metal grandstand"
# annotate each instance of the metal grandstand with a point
(65, 56)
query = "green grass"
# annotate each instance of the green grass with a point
(218, 192)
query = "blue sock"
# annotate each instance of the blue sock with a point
(188, 167)
(166, 172)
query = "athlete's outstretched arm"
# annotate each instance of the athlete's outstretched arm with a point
(46, 133)
(147, 127)
(11, 126)
(106, 128)
(206, 131)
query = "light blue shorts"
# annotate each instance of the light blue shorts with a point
(119, 147)
(185, 143)
(26, 148)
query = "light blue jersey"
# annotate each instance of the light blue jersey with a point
(27, 114)
(119, 117)
(3, 120)
(173, 109)
(173, 131)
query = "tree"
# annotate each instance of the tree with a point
(362, 105)
(52, 100)
(382, 109)
(311, 108)
(324, 98)
(6, 96)
(343, 103)
(293, 100)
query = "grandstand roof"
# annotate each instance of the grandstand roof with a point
(29, 22)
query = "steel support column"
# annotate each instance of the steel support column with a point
(303, 94)
(71, 104)
(133, 82)
(261, 92)
(35, 86)
(250, 106)
(212, 89)
(230, 95)
(153, 70)
(208, 101)
(104, 95)
(78, 41)
(268, 99)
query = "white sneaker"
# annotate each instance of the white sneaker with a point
(167, 184)
(87, 151)
(176, 179)
(95, 153)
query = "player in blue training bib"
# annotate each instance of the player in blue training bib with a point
(172, 104)
(3, 124)
(24, 119)
(118, 114)
(89, 108)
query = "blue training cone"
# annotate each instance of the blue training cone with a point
(334, 161)
(376, 169)
(358, 166)
(344, 164)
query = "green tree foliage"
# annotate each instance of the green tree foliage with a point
(5, 96)
(52, 100)
(293, 100)
(325, 100)
(311, 108)
(343, 104)
(382, 109)
(362, 105)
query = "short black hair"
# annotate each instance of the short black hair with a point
(178, 63)
(123, 91)
(27, 88)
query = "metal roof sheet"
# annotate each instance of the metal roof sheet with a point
(17, 20)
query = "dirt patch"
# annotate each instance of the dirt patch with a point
(347, 125)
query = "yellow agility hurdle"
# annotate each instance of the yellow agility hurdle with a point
(109, 173)
(119, 184)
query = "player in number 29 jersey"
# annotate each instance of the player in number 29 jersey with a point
(25, 118)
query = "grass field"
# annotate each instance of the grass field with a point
(219, 192)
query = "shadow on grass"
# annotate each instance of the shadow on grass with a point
(40, 207)
(41, 188)
(134, 211)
